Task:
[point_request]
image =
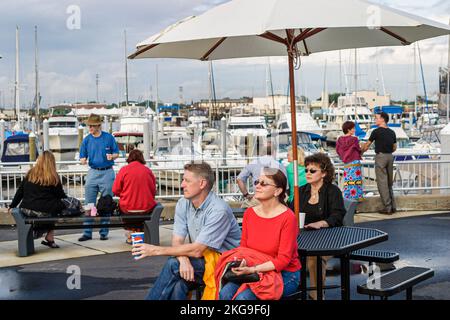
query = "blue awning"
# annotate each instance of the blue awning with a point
(389, 109)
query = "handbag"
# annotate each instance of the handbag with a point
(106, 206)
(230, 276)
(73, 207)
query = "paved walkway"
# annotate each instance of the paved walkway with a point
(71, 248)
(109, 272)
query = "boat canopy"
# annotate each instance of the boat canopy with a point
(16, 149)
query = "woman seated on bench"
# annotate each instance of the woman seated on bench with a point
(41, 193)
(323, 204)
(135, 185)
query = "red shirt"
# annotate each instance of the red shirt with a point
(276, 237)
(135, 184)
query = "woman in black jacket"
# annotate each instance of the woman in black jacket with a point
(40, 193)
(323, 204)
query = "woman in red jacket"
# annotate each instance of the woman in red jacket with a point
(135, 185)
(348, 149)
(269, 228)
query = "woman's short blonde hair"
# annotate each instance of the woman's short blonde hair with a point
(44, 171)
(300, 155)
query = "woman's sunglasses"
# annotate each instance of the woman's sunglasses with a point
(312, 171)
(263, 184)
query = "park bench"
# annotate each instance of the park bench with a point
(395, 282)
(26, 226)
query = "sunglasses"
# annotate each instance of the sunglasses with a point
(263, 183)
(312, 171)
(94, 126)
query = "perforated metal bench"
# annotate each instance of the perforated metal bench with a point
(395, 282)
(26, 226)
(374, 256)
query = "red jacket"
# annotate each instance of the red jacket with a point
(135, 185)
(347, 147)
(269, 287)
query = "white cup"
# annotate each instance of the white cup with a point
(301, 216)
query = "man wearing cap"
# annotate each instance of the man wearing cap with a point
(100, 149)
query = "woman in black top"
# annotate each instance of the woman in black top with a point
(322, 202)
(40, 193)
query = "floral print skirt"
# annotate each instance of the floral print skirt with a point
(353, 188)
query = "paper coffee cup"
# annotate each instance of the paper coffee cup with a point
(301, 216)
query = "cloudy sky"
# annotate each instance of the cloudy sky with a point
(72, 52)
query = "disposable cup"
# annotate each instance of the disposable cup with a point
(302, 219)
(137, 237)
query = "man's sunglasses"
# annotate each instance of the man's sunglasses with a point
(312, 171)
(263, 184)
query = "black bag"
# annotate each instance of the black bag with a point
(230, 276)
(73, 207)
(106, 206)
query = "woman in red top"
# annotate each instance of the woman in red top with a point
(135, 185)
(270, 228)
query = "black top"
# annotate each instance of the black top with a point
(384, 140)
(330, 207)
(312, 213)
(39, 198)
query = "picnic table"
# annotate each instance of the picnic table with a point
(339, 242)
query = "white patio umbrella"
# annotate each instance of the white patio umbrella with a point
(258, 28)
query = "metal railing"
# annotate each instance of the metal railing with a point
(422, 176)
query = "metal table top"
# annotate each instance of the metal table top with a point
(337, 241)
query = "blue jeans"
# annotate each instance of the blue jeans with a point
(291, 282)
(97, 181)
(170, 286)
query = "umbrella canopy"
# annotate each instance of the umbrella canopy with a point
(241, 28)
(258, 28)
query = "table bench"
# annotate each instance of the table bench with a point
(26, 226)
(395, 282)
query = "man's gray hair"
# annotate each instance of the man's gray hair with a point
(203, 170)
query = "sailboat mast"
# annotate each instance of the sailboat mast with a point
(340, 73)
(157, 91)
(126, 68)
(448, 79)
(415, 80)
(16, 87)
(356, 84)
(423, 78)
(210, 92)
(36, 72)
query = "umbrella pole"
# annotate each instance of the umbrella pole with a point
(294, 131)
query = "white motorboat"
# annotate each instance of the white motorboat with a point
(305, 123)
(348, 108)
(63, 133)
(240, 128)
(406, 149)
